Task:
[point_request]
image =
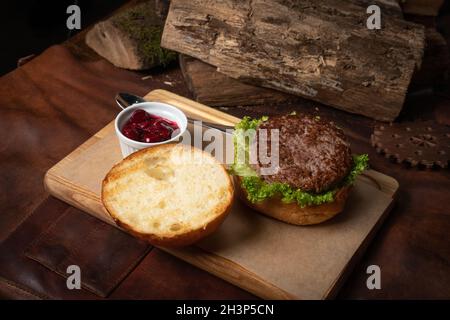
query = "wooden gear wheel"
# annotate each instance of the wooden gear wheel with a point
(424, 143)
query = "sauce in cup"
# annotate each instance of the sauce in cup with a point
(149, 128)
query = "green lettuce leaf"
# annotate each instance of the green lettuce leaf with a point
(360, 163)
(259, 190)
(243, 133)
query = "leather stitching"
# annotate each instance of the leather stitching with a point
(24, 289)
(47, 234)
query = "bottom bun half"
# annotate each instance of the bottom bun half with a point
(291, 212)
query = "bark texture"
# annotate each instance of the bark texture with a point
(216, 89)
(321, 49)
(131, 38)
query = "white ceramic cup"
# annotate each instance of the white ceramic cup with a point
(128, 146)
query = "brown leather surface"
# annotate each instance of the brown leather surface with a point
(23, 272)
(157, 276)
(48, 107)
(104, 255)
(55, 102)
(11, 290)
(161, 276)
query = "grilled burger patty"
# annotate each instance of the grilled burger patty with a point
(314, 155)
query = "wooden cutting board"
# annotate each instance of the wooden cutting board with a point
(271, 259)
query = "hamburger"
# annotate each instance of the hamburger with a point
(313, 176)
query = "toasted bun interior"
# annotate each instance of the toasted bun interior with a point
(170, 195)
(293, 213)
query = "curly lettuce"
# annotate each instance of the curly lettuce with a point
(259, 190)
(240, 167)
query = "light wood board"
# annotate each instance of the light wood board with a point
(271, 259)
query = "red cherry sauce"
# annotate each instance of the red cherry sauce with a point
(145, 127)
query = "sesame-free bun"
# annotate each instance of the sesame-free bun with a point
(293, 213)
(170, 195)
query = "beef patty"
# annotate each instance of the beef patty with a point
(314, 155)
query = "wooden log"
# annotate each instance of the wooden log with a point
(422, 7)
(213, 88)
(435, 64)
(388, 7)
(216, 89)
(161, 8)
(319, 49)
(131, 39)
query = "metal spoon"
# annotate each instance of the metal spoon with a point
(125, 100)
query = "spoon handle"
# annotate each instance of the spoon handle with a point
(125, 100)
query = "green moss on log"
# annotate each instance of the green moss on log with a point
(145, 28)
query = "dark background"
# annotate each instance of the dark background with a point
(30, 26)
